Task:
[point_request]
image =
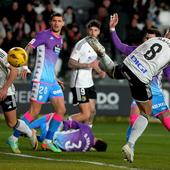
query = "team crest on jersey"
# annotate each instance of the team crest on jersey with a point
(51, 38)
(83, 98)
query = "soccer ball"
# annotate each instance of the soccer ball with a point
(17, 57)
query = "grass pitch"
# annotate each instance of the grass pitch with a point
(152, 151)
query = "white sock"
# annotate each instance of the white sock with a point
(15, 139)
(23, 127)
(107, 62)
(137, 129)
(70, 118)
(47, 140)
(90, 125)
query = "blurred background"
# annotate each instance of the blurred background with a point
(21, 19)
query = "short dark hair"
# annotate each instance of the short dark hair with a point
(56, 15)
(154, 30)
(100, 145)
(93, 23)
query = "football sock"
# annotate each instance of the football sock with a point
(22, 127)
(27, 118)
(42, 124)
(137, 129)
(128, 132)
(107, 62)
(132, 120)
(13, 138)
(54, 125)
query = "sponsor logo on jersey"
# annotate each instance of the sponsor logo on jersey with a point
(57, 91)
(57, 49)
(138, 64)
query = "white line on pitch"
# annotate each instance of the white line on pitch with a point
(69, 160)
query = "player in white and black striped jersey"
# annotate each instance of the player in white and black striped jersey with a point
(81, 83)
(8, 74)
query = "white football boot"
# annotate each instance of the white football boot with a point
(97, 47)
(128, 153)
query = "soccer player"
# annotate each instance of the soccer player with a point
(72, 136)
(160, 110)
(81, 82)
(139, 68)
(8, 100)
(45, 87)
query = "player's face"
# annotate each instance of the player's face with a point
(148, 36)
(56, 24)
(93, 32)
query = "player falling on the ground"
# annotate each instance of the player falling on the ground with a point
(72, 136)
(160, 110)
(8, 101)
(81, 81)
(45, 87)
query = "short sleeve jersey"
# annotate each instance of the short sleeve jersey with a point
(82, 53)
(148, 59)
(48, 47)
(4, 72)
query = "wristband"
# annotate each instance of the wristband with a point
(112, 29)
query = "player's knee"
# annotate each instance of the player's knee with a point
(166, 123)
(11, 124)
(133, 118)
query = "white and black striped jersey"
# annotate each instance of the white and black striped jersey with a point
(83, 53)
(149, 58)
(4, 72)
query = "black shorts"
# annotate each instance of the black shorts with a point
(82, 95)
(140, 91)
(9, 103)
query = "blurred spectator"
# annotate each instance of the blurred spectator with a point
(57, 7)
(9, 41)
(30, 15)
(14, 14)
(47, 12)
(153, 12)
(134, 34)
(108, 5)
(2, 30)
(40, 24)
(1, 40)
(6, 24)
(164, 16)
(21, 30)
(69, 15)
(38, 6)
(73, 35)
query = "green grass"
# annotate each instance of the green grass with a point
(152, 151)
